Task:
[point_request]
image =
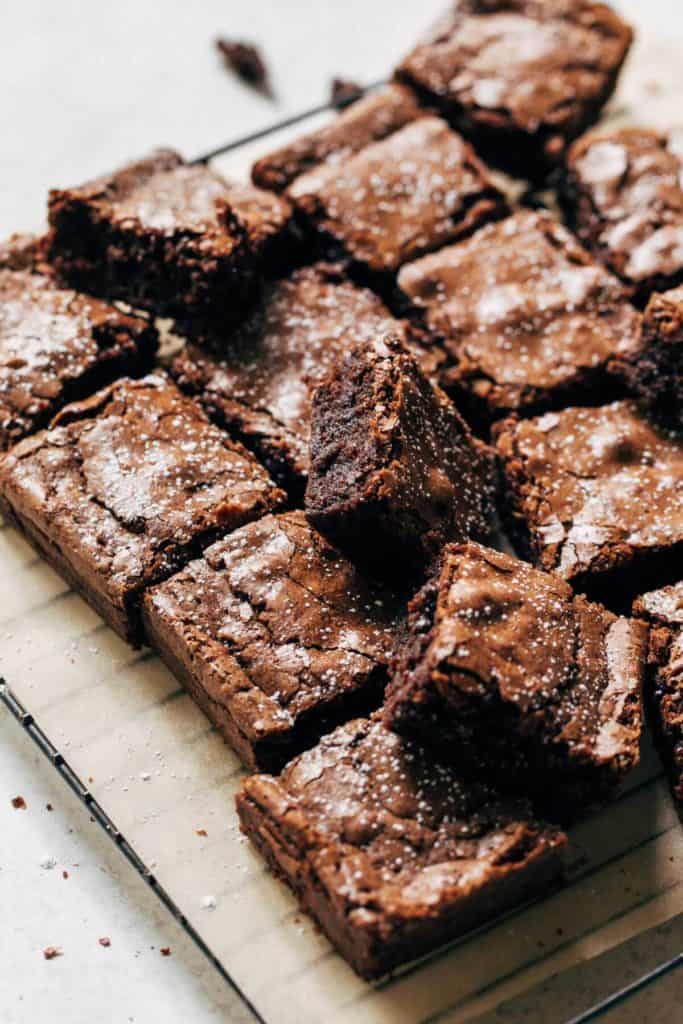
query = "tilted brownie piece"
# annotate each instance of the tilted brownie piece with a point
(276, 635)
(622, 192)
(389, 850)
(527, 319)
(507, 673)
(164, 235)
(395, 470)
(653, 368)
(596, 495)
(664, 692)
(369, 119)
(521, 78)
(127, 486)
(412, 192)
(57, 346)
(258, 386)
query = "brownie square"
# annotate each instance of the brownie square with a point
(369, 119)
(395, 470)
(509, 674)
(622, 193)
(596, 495)
(389, 850)
(653, 368)
(521, 78)
(125, 487)
(167, 236)
(276, 635)
(527, 318)
(57, 346)
(396, 199)
(664, 692)
(257, 383)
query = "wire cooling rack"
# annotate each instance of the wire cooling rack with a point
(642, 791)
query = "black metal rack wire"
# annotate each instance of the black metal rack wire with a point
(43, 742)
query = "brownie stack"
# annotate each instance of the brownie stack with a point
(387, 359)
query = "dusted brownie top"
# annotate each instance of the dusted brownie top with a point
(52, 342)
(664, 606)
(396, 834)
(522, 310)
(624, 195)
(543, 67)
(412, 192)
(369, 119)
(595, 485)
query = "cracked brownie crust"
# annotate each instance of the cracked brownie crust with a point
(395, 470)
(57, 346)
(391, 851)
(125, 487)
(521, 78)
(510, 675)
(412, 192)
(596, 495)
(622, 193)
(526, 317)
(276, 635)
(167, 236)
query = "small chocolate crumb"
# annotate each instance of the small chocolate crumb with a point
(49, 807)
(18, 803)
(165, 951)
(105, 941)
(201, 832)
(50, 952)
(247, 62)
(65, 874)
(344, 92)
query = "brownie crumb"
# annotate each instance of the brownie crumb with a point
(201, 832)
(165, 951)
(65, 874)
(49, 807)
(18, 803)
(105, 941)
(343, 92)
(247, 62)
(51, 952)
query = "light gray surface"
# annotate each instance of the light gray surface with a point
(85, 86)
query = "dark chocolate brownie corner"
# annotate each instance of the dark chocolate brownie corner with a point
(389, 850)
(512, 677)
(395, 471)
(521, 78)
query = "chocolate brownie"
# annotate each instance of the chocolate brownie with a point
(527, 318)
(258, 385)
(57, 346)
(395, 471)
(622, 192)
(596, 495)
(127, 486)
(521, 78)
(276, 635)
(507, 673)
(664, 692)
(369, 119)
(167, 236)
(414, 191)
(653, 368)
(389, 850)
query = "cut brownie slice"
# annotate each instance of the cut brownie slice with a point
(369, 119)
(664, 693)
(389, 850)
(623, 194)
(596, 495)
(164, 235)
(506, 672)
(521, 78)
(127, 486)
(412, 192)
(57, 346)
(258, 385)
(527, 318)
(653, 368)
(395, 471)
(276, 635)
